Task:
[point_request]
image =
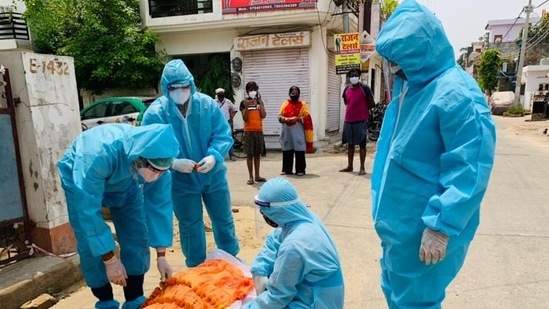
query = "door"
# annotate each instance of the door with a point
(14, 219)
(95, 115)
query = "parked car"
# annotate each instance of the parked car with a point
(500, 101)
(115, 110)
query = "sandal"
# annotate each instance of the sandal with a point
(250, 182)
(362, 172)
(282, 173)
(300, 174)
(260, 179)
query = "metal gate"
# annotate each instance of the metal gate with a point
(333, 106)
(14, 219)
(275, 71)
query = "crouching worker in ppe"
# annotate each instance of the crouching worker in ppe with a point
(105, 166)
(200, 175)
(298, 266)
(433, 162)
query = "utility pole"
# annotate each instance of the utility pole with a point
(528, 9)
(345, 11)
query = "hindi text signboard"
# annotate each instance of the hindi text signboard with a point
(347, 52)
(248, 6)
(268, 41)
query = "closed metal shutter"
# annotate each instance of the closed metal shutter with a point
(275, 71)
(334, 96)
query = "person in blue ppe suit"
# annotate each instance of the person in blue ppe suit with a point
(298, 266)
(200, 172)
(105, 166)
(433, 162)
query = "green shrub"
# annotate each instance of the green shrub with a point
(516, 109)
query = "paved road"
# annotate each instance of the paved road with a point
(507, 266)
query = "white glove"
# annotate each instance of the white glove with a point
(206, 164)
(260, 283)
(116, 271)
(164, 268)
(433, 246)
(183, 165)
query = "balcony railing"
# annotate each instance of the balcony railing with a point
(164, 8)
(12, 26)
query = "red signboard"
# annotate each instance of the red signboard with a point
(248, 6)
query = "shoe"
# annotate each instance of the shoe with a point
(107, 304)
(134, 304)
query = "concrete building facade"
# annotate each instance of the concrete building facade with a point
(275, 47)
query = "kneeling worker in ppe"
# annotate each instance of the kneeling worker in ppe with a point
(298, 266)
(200, 176)
(433, 162)
(105, 166)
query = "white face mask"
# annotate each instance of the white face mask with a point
(147, 174)
(354, 80)
(180, 95)
(252, 94)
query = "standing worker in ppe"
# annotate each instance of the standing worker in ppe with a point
(433, 162)
(298, 266)
(105, 166)
(205, 138)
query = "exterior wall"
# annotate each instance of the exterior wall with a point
(502, 30)
(533, 76)
(318, 79)
(218, 20)
(47, 121)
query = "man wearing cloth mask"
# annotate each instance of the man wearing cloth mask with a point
(105, 166)
(229, 110)
(358, 101)
(298, 266)
(433, 162)
(204, 136)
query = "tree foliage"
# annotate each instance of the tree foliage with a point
(105, 37)
(216, 75)
(389, 6)
(489, 69)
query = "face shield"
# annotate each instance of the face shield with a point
(388, 77)
(263, 224)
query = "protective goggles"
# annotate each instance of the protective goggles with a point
(152, 168)
(261, 203)
(178, 85)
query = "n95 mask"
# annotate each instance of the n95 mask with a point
(180, 95)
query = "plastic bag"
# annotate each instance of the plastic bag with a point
(246, 270)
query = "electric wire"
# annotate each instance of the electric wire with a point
(537, 7)
(514, 23)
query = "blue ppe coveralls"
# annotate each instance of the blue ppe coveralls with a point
(299, 257)
(97, 171)
(434, 158)
(203, 132)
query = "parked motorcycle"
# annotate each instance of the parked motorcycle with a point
(375, 121)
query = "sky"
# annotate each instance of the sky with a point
(464, 20)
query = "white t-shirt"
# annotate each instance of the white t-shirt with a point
(227, 107)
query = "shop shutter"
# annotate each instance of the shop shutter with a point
(275, 71)
(334, 96)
